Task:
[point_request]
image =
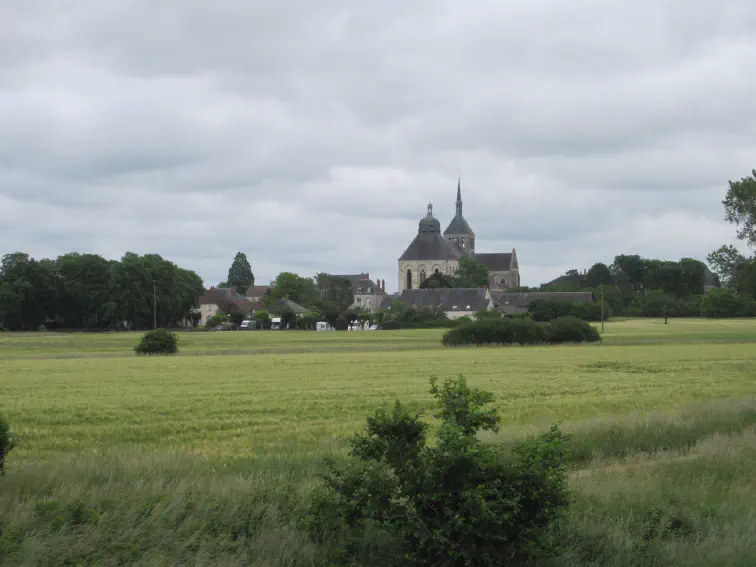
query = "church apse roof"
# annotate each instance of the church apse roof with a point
(431, 246)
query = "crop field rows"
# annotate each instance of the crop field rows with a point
(209, 456)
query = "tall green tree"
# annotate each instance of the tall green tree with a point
(240, 274)
(727, 263)
(28, 291)
(335, 290)
(631, 266)
(599, 274)
(470, 273)
(294, 287)
(740, 207)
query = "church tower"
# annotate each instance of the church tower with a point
(458, 231)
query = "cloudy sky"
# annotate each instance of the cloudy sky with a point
(312, 135)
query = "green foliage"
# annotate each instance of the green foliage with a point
(487, 314)
(460, 502)
(571, 330)
(292, 287)
(727, 303)
(725, 262)
(470, 274)
(599, 274)
(263, 319)
(195, 317)
(237, 318)
(522, 331)
(740, 207)
(547, 309)
(437, 280)
(400, 315)
(159, 341)
(656, 303)
(7, 442)
(308, 320)
(217, 319)
(240, 274)
(288, 319)
(335, 291)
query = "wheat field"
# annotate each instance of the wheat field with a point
(209, 457)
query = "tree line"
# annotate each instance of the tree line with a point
(633, 285)
(87, 291)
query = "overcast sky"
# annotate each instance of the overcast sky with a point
(312, 135)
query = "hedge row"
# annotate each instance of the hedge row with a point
(522, 332)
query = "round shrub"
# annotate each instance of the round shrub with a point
(159, 341)
(6, 442)
(572, 330)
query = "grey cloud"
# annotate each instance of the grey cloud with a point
(313, 135)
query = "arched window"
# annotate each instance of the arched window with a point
(422, 276)
(409, 279)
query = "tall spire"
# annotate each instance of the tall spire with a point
(459, 197)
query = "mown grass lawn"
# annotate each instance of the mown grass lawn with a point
(209, 457)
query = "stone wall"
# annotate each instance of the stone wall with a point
(426, 267)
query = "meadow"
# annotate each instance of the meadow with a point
(209, 457)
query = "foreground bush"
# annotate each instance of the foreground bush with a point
(521, 331)
(159, 341)
(460, 502)
(7, 442)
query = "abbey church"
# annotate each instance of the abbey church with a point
(432, 252)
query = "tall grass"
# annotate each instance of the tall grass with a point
(653, 499)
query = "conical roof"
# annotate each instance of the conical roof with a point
(459, 225)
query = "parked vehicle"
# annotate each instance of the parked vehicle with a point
(275, 323)
(248, 325)
(323, 326)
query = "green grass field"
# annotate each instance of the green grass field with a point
(209, 457)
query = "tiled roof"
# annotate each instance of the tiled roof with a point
(524, 299)
(449, 299)
(496, 262)
(431, 246)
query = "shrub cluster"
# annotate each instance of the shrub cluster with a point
(460, 502)
(7, 442)
(549, 309)
(159, 341)
(521, 331)
(727, 303)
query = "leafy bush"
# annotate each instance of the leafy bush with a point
(572, 330)
(726, 303)
(522, 331)
(550, 309)
(400, 315)
(217, 319)
(7, 442)
(159, 341)
(460, 502)
(237, 318)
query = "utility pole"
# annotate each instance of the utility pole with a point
(154, 305)
(602, 308)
